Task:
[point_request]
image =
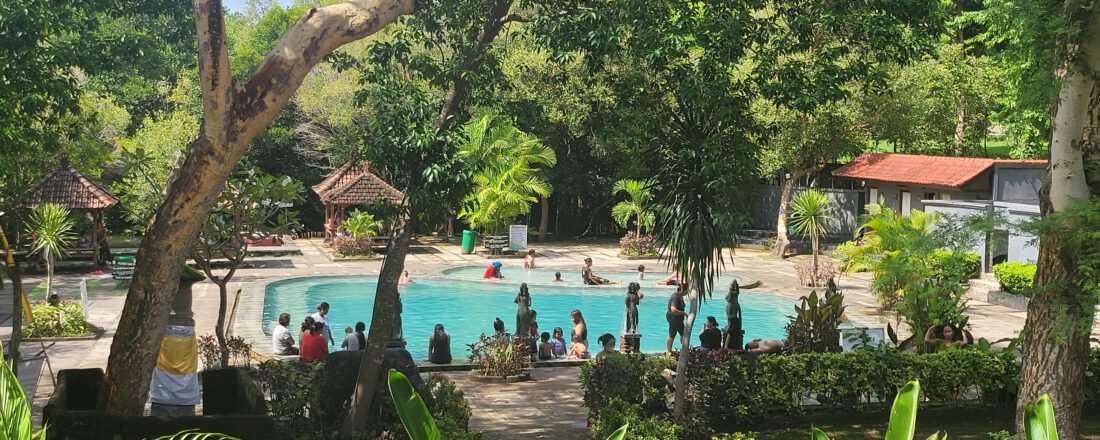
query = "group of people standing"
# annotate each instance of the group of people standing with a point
(316, 335)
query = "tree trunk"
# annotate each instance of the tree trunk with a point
(544, 218)
(368, 384)
(816, 244)
(49, 272)
(1056, 354)
(685, 353)
(781, 239)
(233, 114)
(219, 329)
(369, 381)
(17, 303)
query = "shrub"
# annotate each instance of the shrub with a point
(293, 390)
(932, 304)
(630, 378)
(638, 245)
(807, 277)
(64, 320)
(816, 324)
(1015, 277)
(240, 352)
(642, 427)
(846, 253)
(449, 407)
(956, 266)
(501, 357)
(350, 247)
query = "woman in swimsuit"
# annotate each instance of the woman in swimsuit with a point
(579, 336)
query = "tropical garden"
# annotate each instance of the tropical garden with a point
(653, 123)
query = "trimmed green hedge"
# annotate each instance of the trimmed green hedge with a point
(958, 266)
(1015, 277)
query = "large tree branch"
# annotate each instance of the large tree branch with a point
(233, 116)
(316, 34)
(460, 88)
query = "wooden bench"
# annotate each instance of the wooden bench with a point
(496, 244)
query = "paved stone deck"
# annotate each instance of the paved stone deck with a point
(549, 404)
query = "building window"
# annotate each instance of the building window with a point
(929, 196)
(873, 197)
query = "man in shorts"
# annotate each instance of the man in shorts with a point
(675, 316)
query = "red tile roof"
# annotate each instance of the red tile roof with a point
(65, 186)
(945, 171)
(353, 184)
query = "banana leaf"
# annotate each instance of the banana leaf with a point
(411, 409)
(903, 415)
(619, 434)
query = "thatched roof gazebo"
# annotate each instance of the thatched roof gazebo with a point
(352, 184)
(65, 186)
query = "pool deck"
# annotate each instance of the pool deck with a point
(548, 404)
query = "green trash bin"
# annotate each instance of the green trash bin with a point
(469, 240)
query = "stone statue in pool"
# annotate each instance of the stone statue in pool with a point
(735, 335)
(523, 310)
(396, 333)
(633, 297)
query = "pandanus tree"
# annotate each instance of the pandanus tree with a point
(52, 229)
(809, 217)
(636, 206)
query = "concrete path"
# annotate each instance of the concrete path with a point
(550, 406)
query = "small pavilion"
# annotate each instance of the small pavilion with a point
(352, 184)
(65, 186)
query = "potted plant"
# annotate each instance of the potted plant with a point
(636, 207)
(501, 358)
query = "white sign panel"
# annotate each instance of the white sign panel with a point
(517, 237)
(84, 297)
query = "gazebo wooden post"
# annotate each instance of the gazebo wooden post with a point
(95, 237)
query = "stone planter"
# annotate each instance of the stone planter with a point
(639, 257)
(524, 377)
(1007, 299)
(98, 334)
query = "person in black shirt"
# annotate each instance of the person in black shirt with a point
(439, 346)
(711, 337)
(675, 316)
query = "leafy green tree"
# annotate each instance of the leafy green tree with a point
(52, 229)
(636, 206)
(234, 112)
(253, 206)
(799, 144)
(809, 217)
(507, 180)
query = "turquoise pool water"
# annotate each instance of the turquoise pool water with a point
(514, 272)
(467, 308)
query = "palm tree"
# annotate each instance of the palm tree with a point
(507, 180)
(809, 213)
(636, 205)
(52, 228)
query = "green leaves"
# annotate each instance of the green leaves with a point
(15, 410)
(1039, 421)
(903, 414)
(508, 177)
(636, 206)
(810, 213)
(193, 434)
(619, 434)
(362, 224)
(52, 227)
(411, 409)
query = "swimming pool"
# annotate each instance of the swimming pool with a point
(467, 308)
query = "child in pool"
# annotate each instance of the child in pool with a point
(557, 277)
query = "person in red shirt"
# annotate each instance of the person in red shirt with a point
(314, 345)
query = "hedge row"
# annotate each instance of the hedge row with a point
(737, 389)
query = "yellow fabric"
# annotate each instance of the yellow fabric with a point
(178, 355)
(28, 315)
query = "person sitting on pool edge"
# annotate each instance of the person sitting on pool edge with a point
(546, 349)
(498, 329)
(590, 278)
(711, 337)
(281, 340)
(672, 279)
(529, 260)
(607, 340)
(314, 346)
(761, 346)
(558, 342)
(493, 271)
(439, 346)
